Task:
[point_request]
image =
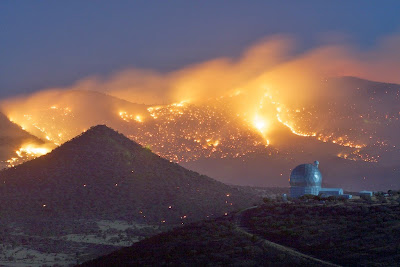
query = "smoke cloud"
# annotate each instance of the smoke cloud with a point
(271, 63)
(271, 68)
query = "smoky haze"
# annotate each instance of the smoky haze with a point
(271, 64)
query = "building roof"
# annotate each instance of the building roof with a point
(306, 175)
(330, 189)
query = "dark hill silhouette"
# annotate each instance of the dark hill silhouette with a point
(103, 174)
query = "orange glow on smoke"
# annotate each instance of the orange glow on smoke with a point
(232, 106)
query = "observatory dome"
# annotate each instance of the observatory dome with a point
(306, 175)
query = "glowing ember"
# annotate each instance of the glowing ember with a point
(129, 117)
(357, 155)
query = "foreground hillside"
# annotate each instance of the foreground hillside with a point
(209, 243)
(303, 233)
(99, 192)
(347, 233)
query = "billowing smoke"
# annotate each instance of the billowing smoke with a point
(271, 63)
(269, 75)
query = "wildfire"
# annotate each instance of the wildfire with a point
(292, 128)
(27, 152)
(32, 150)
(186, 131)
(129, 117)
(357, 155)
(341, 140)
(260, 124)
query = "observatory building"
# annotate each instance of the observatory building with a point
(306, 179)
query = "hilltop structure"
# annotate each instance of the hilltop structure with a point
(306, 179)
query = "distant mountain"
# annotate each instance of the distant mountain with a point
(12, 137)
(364, 111)
(101, 174)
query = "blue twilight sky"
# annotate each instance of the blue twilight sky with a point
(54, 43)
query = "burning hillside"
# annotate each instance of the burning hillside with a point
(258, 104)
(17, 145)
(188, 131)
(179, 132)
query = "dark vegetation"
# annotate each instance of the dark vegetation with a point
(361, 232)
(101, 174)
(209, 243)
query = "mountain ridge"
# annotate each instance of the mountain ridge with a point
(133, 183)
